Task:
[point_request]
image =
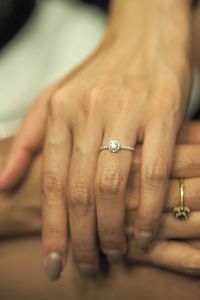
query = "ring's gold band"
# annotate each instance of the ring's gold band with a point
(182, 191)
(181, 212)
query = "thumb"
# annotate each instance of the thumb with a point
(189, 133)
(28, 140)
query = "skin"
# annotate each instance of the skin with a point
(196, 38)
(20, 212)
(142, 281)
(131, 93)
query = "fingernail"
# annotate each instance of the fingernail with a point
(114, 255)
(143, 239)
(112, 252)
(115, 259)
(54, 265)
(88, 269)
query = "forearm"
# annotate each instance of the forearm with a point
(145, 30)
(136, 22)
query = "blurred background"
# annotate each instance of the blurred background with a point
(40, 41)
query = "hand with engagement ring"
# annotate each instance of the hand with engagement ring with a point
(114, 146)
(125, 92)
(172, 248)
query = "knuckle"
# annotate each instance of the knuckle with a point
(156, 173)
(94, 97)
(96, 93)
(110, 182)
(54, 232)
(126, 100)
(168, 87)
(80, 150)
(79, 198)
(192, 265)
(167, 92)
(53, 188)
(46, 93)
(56, 103)
(59, 96)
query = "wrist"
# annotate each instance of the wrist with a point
(165, 34)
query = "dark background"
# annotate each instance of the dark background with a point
(15, 13)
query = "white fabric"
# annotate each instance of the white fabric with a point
(59, 35)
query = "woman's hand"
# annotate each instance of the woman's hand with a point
(20, 208)
(134, 89)
(180, 256)
(20, 211)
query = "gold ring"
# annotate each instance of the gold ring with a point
(181, 212)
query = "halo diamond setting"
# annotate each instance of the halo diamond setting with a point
(114, 146)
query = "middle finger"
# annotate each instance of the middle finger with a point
(81, 200)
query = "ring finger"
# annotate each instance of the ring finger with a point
(110, 189)
(170, 227)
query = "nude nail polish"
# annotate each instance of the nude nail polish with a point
(114, 256)
(88, 269)
(54, 265)
(144, 239)
(115, 259)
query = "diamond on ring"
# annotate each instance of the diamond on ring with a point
(114, 146)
